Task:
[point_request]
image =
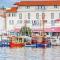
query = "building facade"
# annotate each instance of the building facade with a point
(31, 12)
(2, 20)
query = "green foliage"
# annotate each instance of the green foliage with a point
(25, 31)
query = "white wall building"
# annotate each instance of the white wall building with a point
(32, 12)
(2, 20)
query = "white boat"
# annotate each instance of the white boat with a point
(55, 41)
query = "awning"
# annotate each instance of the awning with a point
(36, 30)
(40, 30)
(47, 30)
(57, 20)
(17, 30)
(53, 29)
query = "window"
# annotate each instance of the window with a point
(13, 14)
(11, 22)
(17, 34)
(59, 15)
(45, 21)
(20, 39)
(41, 7)
(19, 21)
(12, 33)
(26, 21)
(55, 6)
(35, 22)
(43, 15)
(9, 14)
(37, 15)
(27, 7)
(52, 22)
(20, 16)
(52, 15)
(28, 15)
(54, 33)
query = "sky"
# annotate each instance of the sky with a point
(7, 3)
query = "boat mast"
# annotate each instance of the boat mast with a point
(43, 18)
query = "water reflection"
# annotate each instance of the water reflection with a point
(52, 53)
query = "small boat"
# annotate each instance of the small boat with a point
(4, 41)
(43, 45)
(17, 41)
(55, 41)
(32, 45)
(38, 42)
(39, 45)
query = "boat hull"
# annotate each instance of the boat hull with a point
(12, 45)
(39, 45)
(4, 43)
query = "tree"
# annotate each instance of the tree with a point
(25, 31)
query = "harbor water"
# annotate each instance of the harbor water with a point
(28, 53)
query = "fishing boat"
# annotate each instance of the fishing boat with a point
(55, 41)
(39, 42)
(17, 41)
(42, 40)
(4, 41)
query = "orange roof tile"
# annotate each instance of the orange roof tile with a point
(44, 0)
(13, 9)
(37, 3)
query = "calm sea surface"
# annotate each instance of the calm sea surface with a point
(28, 53)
